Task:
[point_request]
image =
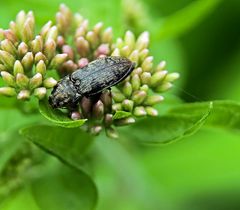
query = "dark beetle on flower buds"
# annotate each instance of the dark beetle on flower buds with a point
(90, 80)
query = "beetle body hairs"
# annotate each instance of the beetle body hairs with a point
(90, 80)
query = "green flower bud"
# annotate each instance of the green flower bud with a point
(147, 63)
(106, 98)
(127, 89)
(2, 67)
(17, 68)
(98, 110)
(116, 52)
(49, 82)
(139, 96)
(20, 19)
(144, 88)
(8, 78)
(152, 100)
(124, 121)
(41, 68)
(8, 46)
(95, 130)
(143, 54)
(75, 115)
(80, 32)
(103, 49)
(49, 49)
(111, 133)
(27, 61)
(151, 111)
(58, 60)
(14, 29)
(1, 34)
(137, 71)
(146, 78)
(134, 56)
(60, 41)
(135, 81)
(139, 111)
(28, 30)
(125, 51)
(129, 39)
(7, 91)
(45, 29)
(117, 96)
(171, 77)
(7, 59)
(120, 43)
(23, 95)
(40, 92)
(108, 119)
(22, 49)
(127, 105)
(157, 78)
(97, 28)
(92, 38)
(163, 87)
(142, 41)
(117, 107)
(86, 106)
(82, 46)
(37, 44)
(78, 19)
(35, 81)
(22, 80)
(40, 56)
(107, 35)
(52, 33)
(161, 66)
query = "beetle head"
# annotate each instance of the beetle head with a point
(64, 95)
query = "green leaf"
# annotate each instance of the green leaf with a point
(185, 19)
(58, 117)
(65, 189)
(68, 144)
(168, 128)
(121, 114)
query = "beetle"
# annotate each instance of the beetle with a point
(90, 81)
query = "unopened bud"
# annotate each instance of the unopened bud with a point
(8, 78)
(129, 39)
(78, 19)
(119, 43)
(151, 111)
(2, 67)
(75, 115)
(97, 28)
(20, 18)
(107, 35)
(95, 130)
(40, 92)
(142, 41)
(117, 107)
(116, 52)
(60, 41)
(146, 78)
(37, 44)
(23, 95)
(9, 35)
(45, 28)
(144, 88)
(50, 48)
(82, 62)
(117, 96)
(172, 77)
(127, 89)
(40, 56)
(41, 68)
(67, 49)
(143, 54)
(28, 30)
(137, 71)
(147, 64)
(152, 100)
(52, 33)
(139, 111)
(125, 51)
(8, 46)
(124, 121)
(82, 46)
(49, 82)
(17, 68)
(161, 66)
(22, 80)
(135, 81)
(106, 98)
(111, 133)
(22, 49)
(103, 49)
(92, 38)
(157, 78)
(27, 61)
(7, 91)
(163, 87)
(134, 56)
(98, 110)
(35, 81)
(86, 106)
(58, 60)
(127, 105)
(7, 59)
(139, 96)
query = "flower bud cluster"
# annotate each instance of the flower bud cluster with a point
(26, 57)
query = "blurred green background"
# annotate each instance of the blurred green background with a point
(201, 171)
